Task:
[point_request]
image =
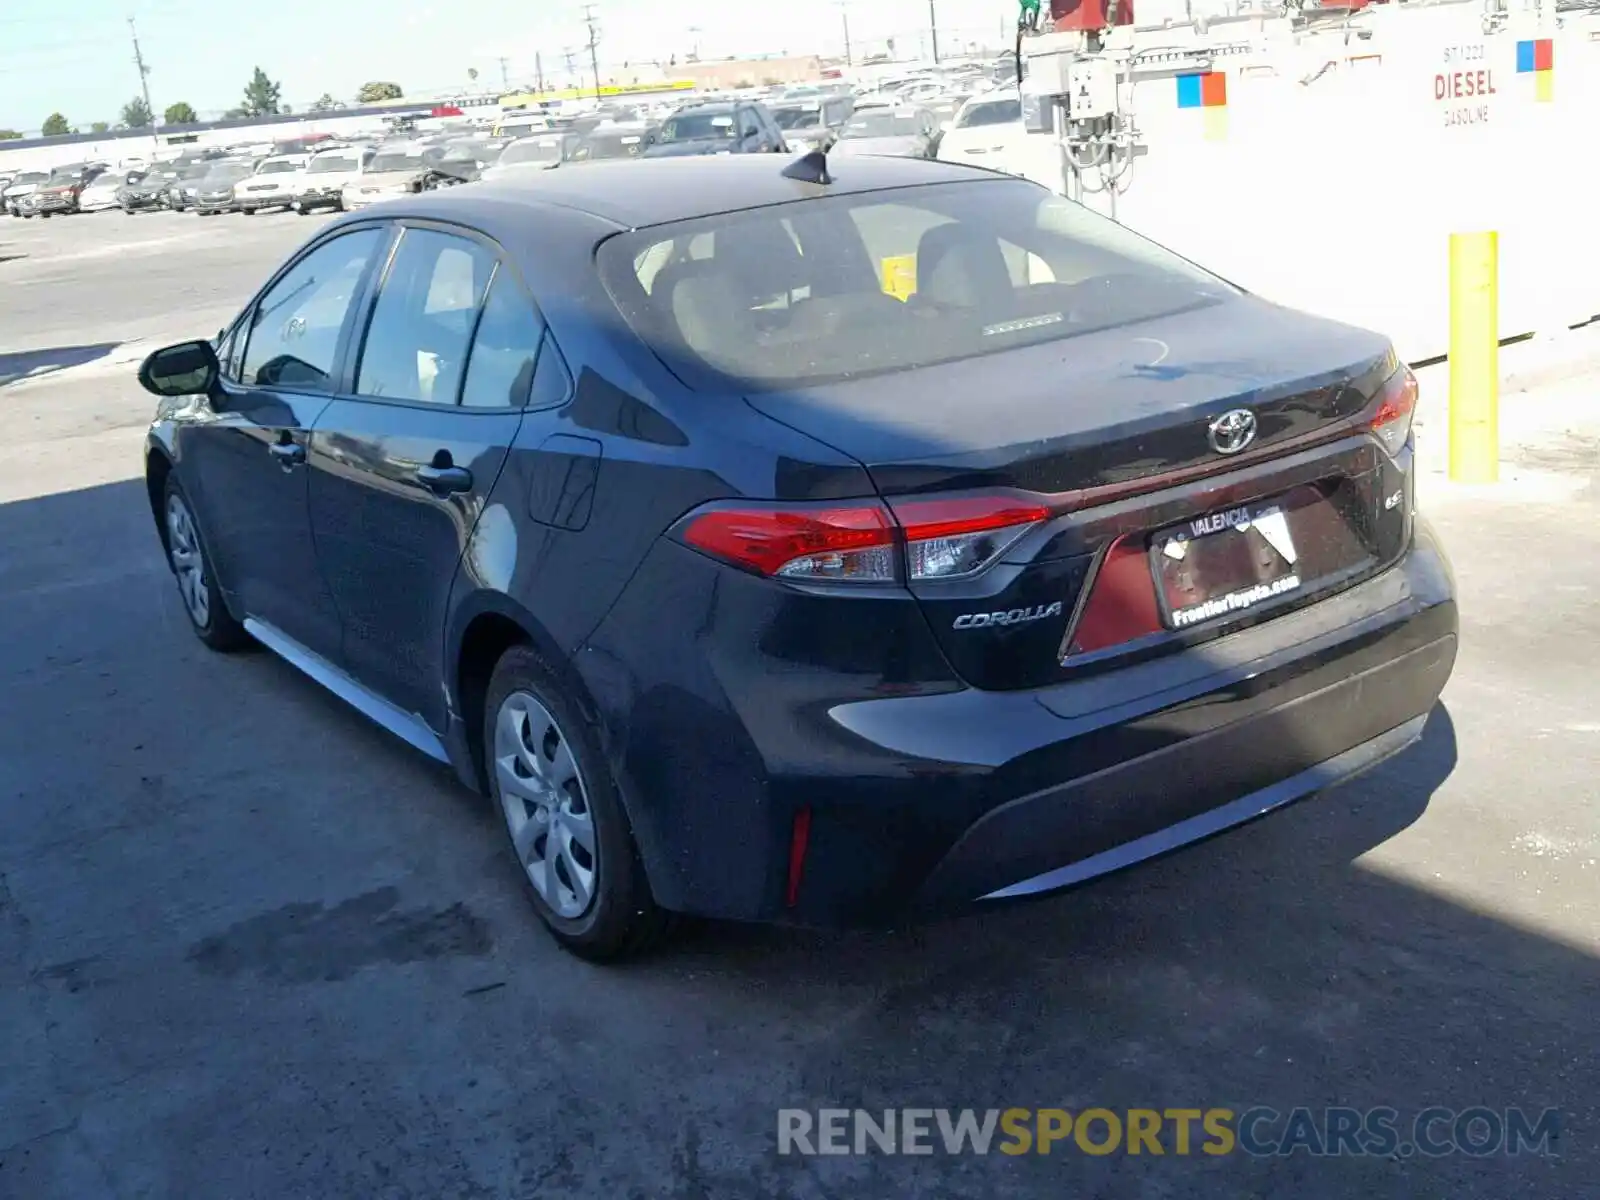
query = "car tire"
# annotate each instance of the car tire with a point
(249, 212)
(534, 733)
(202, 598)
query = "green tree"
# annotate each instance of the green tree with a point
(136, 114)
(325, 103)
(372, 93)
(262, 97)
(55, 125)
(9, 135)
(179, 114)
(99, 126)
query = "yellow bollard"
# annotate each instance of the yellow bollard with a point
(1474, 358)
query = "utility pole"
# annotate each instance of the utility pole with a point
(844, 14)
(505, 75)
(591, 21)
(538, 70)
(933, 29)
(144, 74)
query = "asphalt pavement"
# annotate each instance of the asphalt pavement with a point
(251, 946)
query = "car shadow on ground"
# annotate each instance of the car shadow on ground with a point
(30, 364)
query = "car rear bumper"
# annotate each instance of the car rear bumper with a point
(917, 803)
(212, 205)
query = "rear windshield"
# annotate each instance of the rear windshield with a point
(798, 116)
(990, 112)
(847, 286)
(231, 173)
(538, 150)
(324, 163)
(609, 145)
(883, 122)
(395, 162)
(697, 126)
(280, 166)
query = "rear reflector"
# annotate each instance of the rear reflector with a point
(944, 537)
(799, 842)
(1121, 606)
(1396, 409)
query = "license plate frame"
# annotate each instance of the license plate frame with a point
(1247, 550)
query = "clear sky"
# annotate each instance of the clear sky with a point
(76, 56)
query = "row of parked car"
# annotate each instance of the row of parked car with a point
(921, 117)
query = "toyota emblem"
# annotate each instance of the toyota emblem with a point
(1232, 431)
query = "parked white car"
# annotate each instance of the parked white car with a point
(327, 175)
(988, 132)
(392, 171)
(101, 193)
(537, 153)
(275, 184)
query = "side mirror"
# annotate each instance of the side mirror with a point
(187, 369)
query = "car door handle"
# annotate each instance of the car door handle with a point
(289, 454)
(444, 480)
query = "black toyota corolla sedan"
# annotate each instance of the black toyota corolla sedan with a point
(774, 544)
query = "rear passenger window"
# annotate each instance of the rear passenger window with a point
(552, 382)
(500, 372)
(416, 346)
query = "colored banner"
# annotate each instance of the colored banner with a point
(1208, 90)
(1537, 57)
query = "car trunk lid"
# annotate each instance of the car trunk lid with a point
(1118, 421)
(1105, 407)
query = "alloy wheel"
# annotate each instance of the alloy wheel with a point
(546, 805)
(188, 561)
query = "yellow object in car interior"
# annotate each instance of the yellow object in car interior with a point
(899, 275)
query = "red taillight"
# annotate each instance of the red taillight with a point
(1396, 409)
(944, 537)
(845, 544)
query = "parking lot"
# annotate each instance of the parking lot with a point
(251, 946)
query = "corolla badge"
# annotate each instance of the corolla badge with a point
(1232, 431)
(1013, 616)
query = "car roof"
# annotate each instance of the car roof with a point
(656, 191)
(707, 106)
